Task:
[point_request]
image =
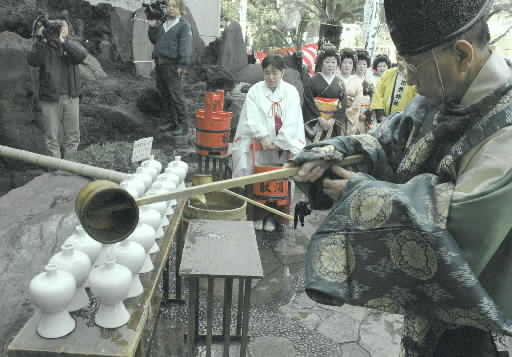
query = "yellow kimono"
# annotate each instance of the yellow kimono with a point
(392, 97)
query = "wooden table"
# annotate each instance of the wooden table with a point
(226, 250)
(90, 340)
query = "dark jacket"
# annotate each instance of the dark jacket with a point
(175, 45)
(54, 62)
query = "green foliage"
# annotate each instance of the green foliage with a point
(230, 10)
(297, 33)
(334, 12)
(115, 156)
(267, 22)
(263, 22)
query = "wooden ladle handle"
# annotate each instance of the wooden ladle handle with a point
(220, 185)
(236, 182)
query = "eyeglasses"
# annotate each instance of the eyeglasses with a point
(404, 65)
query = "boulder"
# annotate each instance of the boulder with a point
(104, 123)
(121, 25)
(91, 69)
(19, 127)
(216, 77)
(252, 73)
(292, 76)
(198, 46)
(35, 221)
(232, 53)
(237, 101)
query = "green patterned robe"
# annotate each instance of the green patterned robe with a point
(399, 243)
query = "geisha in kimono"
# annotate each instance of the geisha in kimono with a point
(354, 89)
(270, 128)
(325, 99)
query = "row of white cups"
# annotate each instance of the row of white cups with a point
(110, 271)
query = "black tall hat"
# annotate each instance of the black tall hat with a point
(419, 25)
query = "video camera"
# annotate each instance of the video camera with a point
(51, 28)
(155, 10)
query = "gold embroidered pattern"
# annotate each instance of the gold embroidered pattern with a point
(417, 154)
(442, 198)
(371, 208)
(460, 317)
(367, 141)
(334, 258)
(328, 152)
(418, 328)
(413, 255)
(447, 166)
(387, 305)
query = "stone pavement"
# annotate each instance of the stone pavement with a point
(284, 322)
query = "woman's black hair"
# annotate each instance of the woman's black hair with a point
(274, 59)
(348, 53)
(380, 59)
(363, 55)
(327, 50)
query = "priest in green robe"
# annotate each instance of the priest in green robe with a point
(423, 227)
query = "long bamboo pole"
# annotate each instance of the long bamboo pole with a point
(60, 164)
(260, 205)
(235, 182)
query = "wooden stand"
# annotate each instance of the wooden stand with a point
(93, 341)
(240, 260)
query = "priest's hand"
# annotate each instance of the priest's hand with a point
(335, 187)
(310, 171)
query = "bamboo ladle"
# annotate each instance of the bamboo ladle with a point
(109, 214)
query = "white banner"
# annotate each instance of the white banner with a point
(371, 24)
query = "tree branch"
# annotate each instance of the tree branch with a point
(500, 36)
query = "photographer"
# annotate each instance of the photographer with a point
(57, 57)
(172, 36)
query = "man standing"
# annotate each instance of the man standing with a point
(57, 57)
(392, 93)
(173, 46)
(426, 230)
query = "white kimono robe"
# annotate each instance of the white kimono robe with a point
(257, 120)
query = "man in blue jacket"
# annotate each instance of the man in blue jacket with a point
(173, 46)
(57, 57)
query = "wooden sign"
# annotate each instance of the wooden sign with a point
(142, 149)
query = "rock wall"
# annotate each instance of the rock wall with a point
(35, 221)
(19, 126)
(130, 5)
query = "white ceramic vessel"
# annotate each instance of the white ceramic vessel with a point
(165, 183)
(132, 255)
(151, 216)
(85, 243)
(160, 187)
(52, 291)
(132, 190)
(160, 207)
(79, 265)
(105, 250)
(149, 169)
(145, 177)
(178, 163)
(144, 234)
(177, 170)
(137, 184)
(154, 163)
(110, 283)
(170, 176)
